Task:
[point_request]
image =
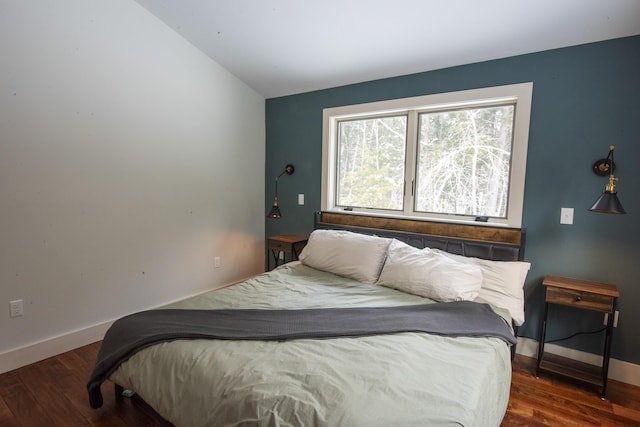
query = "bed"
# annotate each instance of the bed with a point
(351, 264)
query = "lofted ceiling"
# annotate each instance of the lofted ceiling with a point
(283, 47)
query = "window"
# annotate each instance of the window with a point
(454, 156)
(370, 160)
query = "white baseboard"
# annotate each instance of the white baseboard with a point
(19, 357)
(618, 370)
(32, 353)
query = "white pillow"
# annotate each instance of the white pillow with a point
(502, 283)
(347, 254)
(429, 274)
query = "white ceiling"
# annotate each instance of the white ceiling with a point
(282, 47)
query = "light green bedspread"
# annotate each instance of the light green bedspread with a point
(406, 379)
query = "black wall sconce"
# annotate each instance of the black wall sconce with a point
(274, 213)
(608, 201)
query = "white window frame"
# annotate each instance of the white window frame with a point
(520, 94)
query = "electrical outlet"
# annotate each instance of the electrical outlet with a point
(301, 199)
(16, 308)
(217, 262)
(281, 255)
(615, 318)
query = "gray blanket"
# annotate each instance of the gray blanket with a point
(137, 331)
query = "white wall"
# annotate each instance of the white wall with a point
(128, 160)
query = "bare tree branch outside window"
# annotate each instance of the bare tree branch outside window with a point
(464, 161)
(371, 162)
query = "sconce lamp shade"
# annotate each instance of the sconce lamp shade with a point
(608, 201)
(274, 213)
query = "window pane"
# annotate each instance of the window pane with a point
(464, 160)
(371, 155)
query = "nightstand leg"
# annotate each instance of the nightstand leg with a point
(275, 257)
(541, 338)
(118, 389)
(607, 352)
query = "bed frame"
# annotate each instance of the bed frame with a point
(480, 241)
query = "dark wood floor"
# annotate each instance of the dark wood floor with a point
(549, 401)
(53, 393)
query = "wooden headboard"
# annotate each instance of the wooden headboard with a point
(480, 241)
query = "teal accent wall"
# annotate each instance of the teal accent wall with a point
(585, 98)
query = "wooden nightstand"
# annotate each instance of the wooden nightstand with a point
(291, 245)
(587, 295)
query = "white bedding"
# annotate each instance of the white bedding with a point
(402, 379)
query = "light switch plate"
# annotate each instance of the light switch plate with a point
(566, 216)
(301, 199)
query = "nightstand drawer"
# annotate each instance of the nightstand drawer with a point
(276, 245)
(574, 298)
